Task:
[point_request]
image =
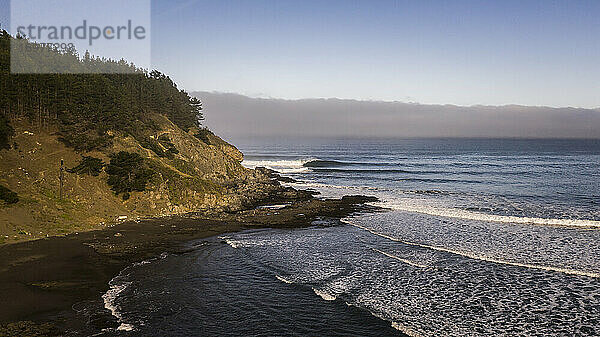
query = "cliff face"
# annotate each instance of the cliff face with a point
(204, 175)
(134, 144)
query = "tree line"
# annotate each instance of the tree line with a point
(92, 97)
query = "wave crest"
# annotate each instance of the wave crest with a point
(470, 215)
(325, 163)
(281, 166)
(477, 256)
(324, 295)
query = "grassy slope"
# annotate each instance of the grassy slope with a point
(194, 179)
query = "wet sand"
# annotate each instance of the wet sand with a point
(42, 281)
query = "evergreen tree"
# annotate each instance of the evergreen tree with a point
(127, 172)
(112, 95)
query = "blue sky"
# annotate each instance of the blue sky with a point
(442, 52)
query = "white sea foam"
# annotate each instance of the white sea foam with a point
(292, 170)
(232, 243)
(109, 301)
(481, 257)
(281, 166)
(242, 243)
(125, 327)
(320, 185)
(398, 326)
(414, 264)
(117, 287)
(404, 329)
(469, 215)
(282, 279)
(324, 295)
(273, 207)
(142, 263)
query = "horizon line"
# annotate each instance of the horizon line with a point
(392, 101)
(418, 137)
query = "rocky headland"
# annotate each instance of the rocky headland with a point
(102, 170)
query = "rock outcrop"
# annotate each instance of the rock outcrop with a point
(205, 174)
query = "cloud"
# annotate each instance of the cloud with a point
(234, 116)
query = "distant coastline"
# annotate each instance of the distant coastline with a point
(235, 116)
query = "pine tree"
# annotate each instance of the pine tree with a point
(113, 95)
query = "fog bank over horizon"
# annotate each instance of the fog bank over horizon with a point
(235, 116)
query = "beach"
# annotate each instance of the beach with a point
(44, 280)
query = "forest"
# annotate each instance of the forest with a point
(90, 99)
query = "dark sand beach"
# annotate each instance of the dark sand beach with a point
(42, 281)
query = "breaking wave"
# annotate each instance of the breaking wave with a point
(281, 166)
(320, 163)
(470, 215)
(320, 185)
(339, 170)
(116, 287)
(410, 263)
(283, 279)
(478, 257)
(324, 295)
(325, 163)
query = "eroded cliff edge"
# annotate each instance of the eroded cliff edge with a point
(203, 173)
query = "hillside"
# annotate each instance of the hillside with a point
(133, 146)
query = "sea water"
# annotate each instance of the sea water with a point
(480, 237)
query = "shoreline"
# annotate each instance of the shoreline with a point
(205, 253)
(45, 278)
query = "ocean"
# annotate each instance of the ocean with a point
(480, 237)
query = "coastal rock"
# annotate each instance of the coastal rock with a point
(199, 175)
(271, 174)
